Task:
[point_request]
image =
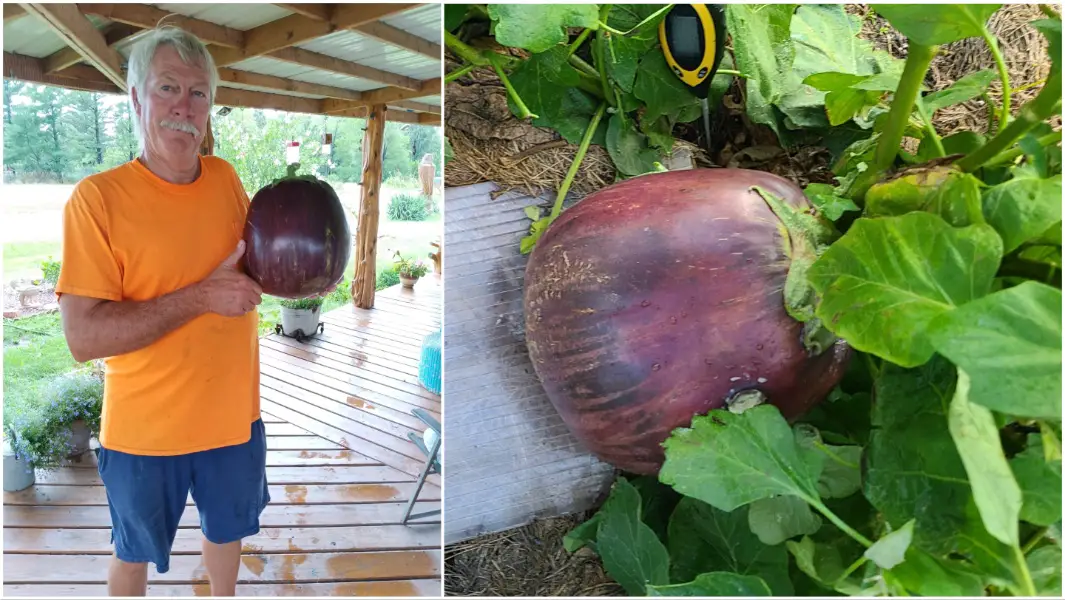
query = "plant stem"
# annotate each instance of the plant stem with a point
(854, 567)
(1033, 113)
(831, 516)
(452, 76)
(930, 129)
(464, 50)
(917, 61)
(582, 149)
(1003, 75)
(1027, 585)
(577, 42)
(523, 111)
(1033, 541)
(599, 52)
(579, 64)
(604, 27)
(991, 110)
(1012, 153)
(730, 72)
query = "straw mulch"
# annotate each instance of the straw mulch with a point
(526, 561)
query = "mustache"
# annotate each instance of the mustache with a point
(180, 126)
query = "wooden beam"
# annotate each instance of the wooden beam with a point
(79, 33)
(67, 57)
(286, 85)
(318, 12)
(397, 37)
(31, 69)
(365, 276)
(250, 99)
(12, 12)
(428, 87)
(416, 106)
(306, 58)
(296, 29)
(143, 15)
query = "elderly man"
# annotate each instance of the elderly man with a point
(151, 281)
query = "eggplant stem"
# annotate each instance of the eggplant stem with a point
(1027, 585)
(831, 516)
(851, 569)
(1003, 75)
(452, 76)
(577, 158)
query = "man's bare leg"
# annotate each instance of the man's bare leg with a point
(127, 579)
(223, 563)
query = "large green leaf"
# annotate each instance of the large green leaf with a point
(1010, 345)
(1022, 208)
(628, 147)
(884, 281)
(1040, 481)
(996, 562)
(937, 24)
(926, 575)
(632, 554)
(912, 467)
(761, 35)
(962, 90)
(828, 201)
(661, 90)
(728, 460)
(714, 584)
(890, 550)
(824, 564)
(995, 491)
(547, 83)
(704, 539)
(841, 475)
(1044, 565)
(780, 518)
(943, 191)
(537, 27)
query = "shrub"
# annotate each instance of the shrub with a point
(387, 278)
(51, 269)
(305, 303)
(408, 207)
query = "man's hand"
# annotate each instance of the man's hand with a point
(227, 291)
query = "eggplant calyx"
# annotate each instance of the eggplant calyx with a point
(806, 237)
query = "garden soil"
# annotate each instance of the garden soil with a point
(490, 144)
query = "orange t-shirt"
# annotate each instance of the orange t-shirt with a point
(129, 235)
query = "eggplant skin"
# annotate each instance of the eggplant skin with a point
(656, 299)
(297, 238)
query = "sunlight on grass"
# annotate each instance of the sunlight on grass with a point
(22, 260)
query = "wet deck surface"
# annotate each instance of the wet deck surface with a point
(340, 468)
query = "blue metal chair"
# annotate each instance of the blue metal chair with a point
(429, 367)
(432, 462)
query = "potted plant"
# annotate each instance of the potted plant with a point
(56, 424)
(300, 317)
(410, 270)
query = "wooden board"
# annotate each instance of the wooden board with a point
(510, 458)
(397, 588)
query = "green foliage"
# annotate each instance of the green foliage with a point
(50, 268)
(38, 426)
(408, 207)
(303, 303)
(387, 278)
(934, 467)
(409, 267)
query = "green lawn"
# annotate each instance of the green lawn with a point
(34, 351)
(22, 260)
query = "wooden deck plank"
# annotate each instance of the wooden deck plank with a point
(386, 589)
(254, 568)
(278, 429)
(300, 442)
(275, 475)
(401, 356)
(269, 540)
(510, 458)
(274, 515)
(60, 495)
(280, 458)
(378, 416)
(322, 424)
(386, 366)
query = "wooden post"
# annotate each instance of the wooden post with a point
(207, 146)
(365, 281)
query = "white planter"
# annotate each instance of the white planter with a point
(299, 322)
(78, 437)
(18, 472)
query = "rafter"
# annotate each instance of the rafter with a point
(296, 29)
(397, 37)
(12, 12)
(306, 58)
(420, 107)
(318, 12)
(68, 56)
(149, 17)
(80, 34)
(287, 85)
(428, 87)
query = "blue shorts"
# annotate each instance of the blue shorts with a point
(147, 496)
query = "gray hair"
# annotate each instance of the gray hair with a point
(191, 50)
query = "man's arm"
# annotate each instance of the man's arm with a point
(96, 328)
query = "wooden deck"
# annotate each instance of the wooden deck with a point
(340, 466)
(510, 458)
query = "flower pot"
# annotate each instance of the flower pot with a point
(18, 472)
(408, 281)
(299, 322)
(78, 438)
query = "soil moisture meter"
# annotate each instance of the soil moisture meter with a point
(693, 39)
